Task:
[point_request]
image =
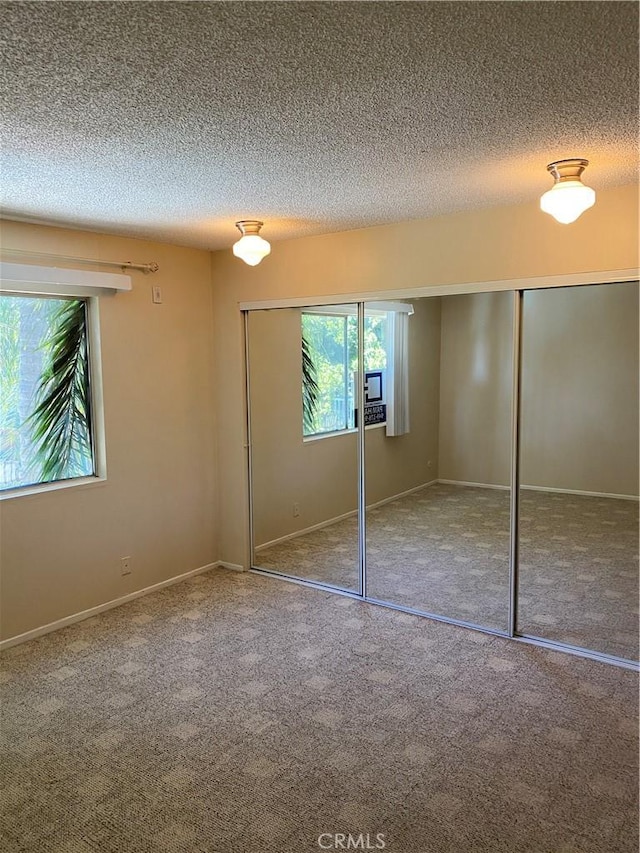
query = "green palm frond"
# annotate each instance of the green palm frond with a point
(310, 389)
(60, 423)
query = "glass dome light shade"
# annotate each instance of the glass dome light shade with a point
(251, 247)
(568, 197)
(567, 201)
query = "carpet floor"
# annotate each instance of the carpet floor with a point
(445, 550)
(234, 713)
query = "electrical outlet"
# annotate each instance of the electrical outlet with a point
(156, 294)
(429, 464)
(125, 566)
(296, 510)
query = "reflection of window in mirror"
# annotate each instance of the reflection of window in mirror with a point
(329, 357)
(329, 368)
(330, 363)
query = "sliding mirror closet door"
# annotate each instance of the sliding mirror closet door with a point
(578, 574)
(438, 468)
(302, 366)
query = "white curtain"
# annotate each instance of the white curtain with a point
(397, 373)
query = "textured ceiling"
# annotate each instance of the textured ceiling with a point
(173, 120)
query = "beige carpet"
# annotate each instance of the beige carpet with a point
(445, 550)
(241, 714)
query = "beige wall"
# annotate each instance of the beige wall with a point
(481, 245)
(60, 551)
(580, 389)
(321, 475)
(475, 388)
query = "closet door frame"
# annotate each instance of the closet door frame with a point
(517, 287)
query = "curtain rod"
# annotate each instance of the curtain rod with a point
(145, 268)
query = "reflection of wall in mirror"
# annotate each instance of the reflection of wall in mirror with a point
(475, 388)
(579, 389)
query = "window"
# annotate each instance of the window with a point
(330, 363)
(45, 396)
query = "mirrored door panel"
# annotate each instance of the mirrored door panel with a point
(438, 467)
(579, 468)
(302, 366)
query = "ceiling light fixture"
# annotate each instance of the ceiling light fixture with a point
(251, 247)
(568, 197)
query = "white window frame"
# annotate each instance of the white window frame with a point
(33, 282)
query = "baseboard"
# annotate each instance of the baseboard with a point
(473, 485)
(338, 518)
(108, 605)
(234, 567)
(305, 530)
(402, 494)
(541, 489)
(579, 492)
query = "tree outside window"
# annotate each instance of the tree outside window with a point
(45, 413)
(330, 342)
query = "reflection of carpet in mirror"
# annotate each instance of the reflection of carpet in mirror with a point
(445, 548)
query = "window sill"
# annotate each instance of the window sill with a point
(318, 436)
(43, 488)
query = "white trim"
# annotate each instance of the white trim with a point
(108, 605)
(542, 489)
(389, 308)
(581, 492)
(315, 436)
(94, 348)
(401, 495)
(535, 283)
(56, 485)
(473, 485)
(338, 518)
(33, 279)
(305, 530)
(351, 310)
(352, 431)
(234, 567)
(332, 310)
